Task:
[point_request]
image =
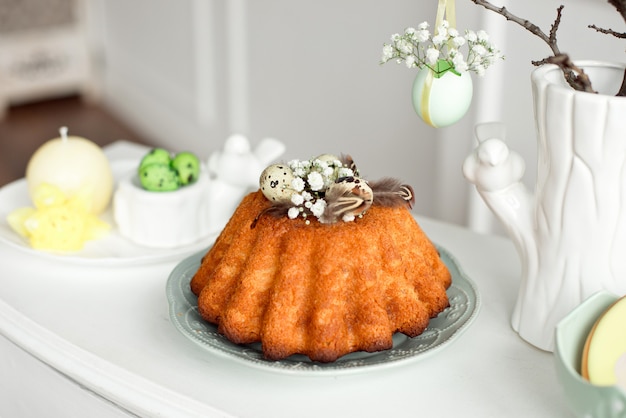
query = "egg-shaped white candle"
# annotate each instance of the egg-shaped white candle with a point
(73, 164)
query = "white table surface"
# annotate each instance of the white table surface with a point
(77, 339)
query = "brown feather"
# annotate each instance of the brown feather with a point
(391, 192)
(277, 210)
(349, 196)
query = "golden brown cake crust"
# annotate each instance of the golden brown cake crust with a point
(320, 290)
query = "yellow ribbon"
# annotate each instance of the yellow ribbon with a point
(428, 83)
(445, 9)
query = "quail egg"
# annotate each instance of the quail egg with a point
(275, 183)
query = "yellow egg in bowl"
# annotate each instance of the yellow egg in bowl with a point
(584, 398)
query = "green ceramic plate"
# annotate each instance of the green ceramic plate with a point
(443, 330)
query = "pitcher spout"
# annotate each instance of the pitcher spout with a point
(497, 171)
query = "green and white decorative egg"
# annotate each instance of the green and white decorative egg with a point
(447, 101)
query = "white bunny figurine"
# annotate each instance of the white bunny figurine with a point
(235, 171)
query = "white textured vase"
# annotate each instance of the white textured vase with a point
(571, 233)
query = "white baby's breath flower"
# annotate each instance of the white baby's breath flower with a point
(405, 47)
(416, 49)
(315, 180)
(395, 37)
(479, 50)
(348, 217)
(297, 184)
(422, 35)
(318, 207)
(297, 199)
(293, 164)
(439, 39)
(480, 70)
(293, 213)
(387, 53)
(459, 63)
(306, 195)
(320, 164)
(432, 55)
(458, 41)
(345, 172)
(297, 167)
(328, 171)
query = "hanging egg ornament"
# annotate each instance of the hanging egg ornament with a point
(275, 183)
(442, 99)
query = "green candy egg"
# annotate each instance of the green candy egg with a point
(188, 167)
(158, 177)
(155, 156)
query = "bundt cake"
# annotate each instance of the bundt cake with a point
(321, 283)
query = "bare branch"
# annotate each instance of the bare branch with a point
(608, 31)
(571, 76)
(554, 29)
(620, 5)
(579, 80)
(526, 24)
(539, 63)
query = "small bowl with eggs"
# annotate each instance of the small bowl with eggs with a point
(163, 204)
(588, 349)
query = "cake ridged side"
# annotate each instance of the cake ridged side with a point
(285, 331)
(320, 290)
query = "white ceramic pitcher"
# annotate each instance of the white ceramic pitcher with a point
(571, 232)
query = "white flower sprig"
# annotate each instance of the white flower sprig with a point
(442, 52)
(312, 178)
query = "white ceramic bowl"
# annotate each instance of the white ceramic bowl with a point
(162, 219)
(585, 399)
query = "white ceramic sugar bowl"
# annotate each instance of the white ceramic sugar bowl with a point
(162, 219)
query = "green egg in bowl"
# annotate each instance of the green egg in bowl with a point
(585, 399)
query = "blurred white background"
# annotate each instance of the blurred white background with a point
(188, 73)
